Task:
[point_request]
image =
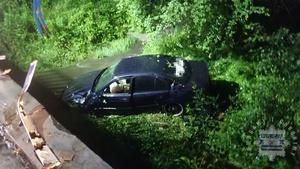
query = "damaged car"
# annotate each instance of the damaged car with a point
(140, 82)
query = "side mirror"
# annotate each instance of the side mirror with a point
(100, 95)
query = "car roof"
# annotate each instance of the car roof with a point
(146, 64)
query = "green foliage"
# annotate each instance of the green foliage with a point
(135, 13)
(171, 142)
(265, 65)
(12, 34)
(114, 47)
(177, 43)
(88, 21)
(275, 52)
(76, 28)
(270, 96)
(229, 34)
(141, 15)
(206, 28)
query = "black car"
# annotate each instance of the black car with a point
(139, 82)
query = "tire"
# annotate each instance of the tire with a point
(175, 109)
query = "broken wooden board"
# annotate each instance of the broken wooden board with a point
(66, 155)
(5, 72)
(47, 157)
(43, 152)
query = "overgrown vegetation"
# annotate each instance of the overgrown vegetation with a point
(78, 29)
(250, 42)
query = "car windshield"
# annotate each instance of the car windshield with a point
(105, 77)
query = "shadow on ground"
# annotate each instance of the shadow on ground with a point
(223, 90)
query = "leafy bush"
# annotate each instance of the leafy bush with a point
(141, 15)
(229, 34)
(274, 52)
(114, 47)
(76, 28)
(169, 141)
(249, 56)
(207, 28)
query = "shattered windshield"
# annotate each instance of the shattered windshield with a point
(105, 77)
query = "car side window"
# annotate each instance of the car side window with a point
(118, 87)
(162, 84)
(144, 84)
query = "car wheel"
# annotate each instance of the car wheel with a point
(173, 108)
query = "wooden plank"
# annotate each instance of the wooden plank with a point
(43, 152)
(47, 157)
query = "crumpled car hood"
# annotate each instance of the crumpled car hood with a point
(80, 87)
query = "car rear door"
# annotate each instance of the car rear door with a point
(143, 91)
(149, 91)
(162, 88)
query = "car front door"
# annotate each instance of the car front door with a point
(117, 94)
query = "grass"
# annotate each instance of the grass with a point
(175, 142)
(49, 57)
(113, 48)
(167, 141)
(153, 133)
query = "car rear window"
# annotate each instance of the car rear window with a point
(144, 84)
